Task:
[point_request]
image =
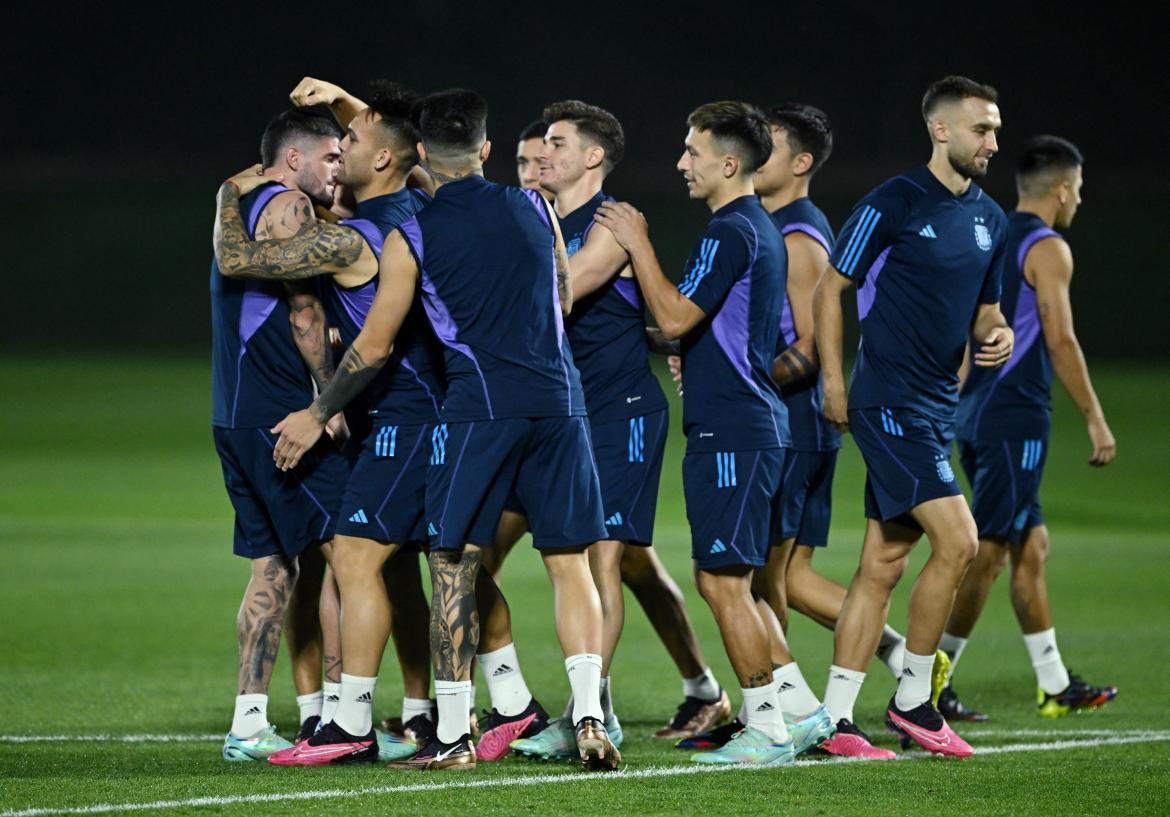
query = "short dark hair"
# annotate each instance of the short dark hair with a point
(534, 130)
(595, 124)
(807, 129)
(739, 123)
(289, 126)
(954, 89)
(1043, 157)
(394, 103)
(452, 121)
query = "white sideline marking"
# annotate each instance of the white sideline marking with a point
(534, 780)
(111, 738)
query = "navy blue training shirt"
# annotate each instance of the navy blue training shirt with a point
(489, 287)
(257, 373)
(1012, 402)
(409, 389)
(607, 332)
(737, 275)
(804, 398)
(923, 260)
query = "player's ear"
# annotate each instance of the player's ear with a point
(422, 152)
(383, 159)
(938, 129)
(485, 151)
(730, 166)
(594, 157)
(802, 163)
(292, 157)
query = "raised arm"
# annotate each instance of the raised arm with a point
(600, 258)
(806, 260)
(674, 312)
(1051, 266)
(398, 279)
(828, 325)
(310, 91)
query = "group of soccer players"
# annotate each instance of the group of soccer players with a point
(496, 380)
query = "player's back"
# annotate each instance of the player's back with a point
(489, 287)
(257, 374)
(1013, 401)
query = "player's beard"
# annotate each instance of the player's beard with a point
(967, 168)
(318, 191)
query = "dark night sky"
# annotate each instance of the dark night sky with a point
(128, 122)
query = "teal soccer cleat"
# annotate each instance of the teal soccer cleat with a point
(750, 747)
(811, 730)
(558, 740)
(258, 747)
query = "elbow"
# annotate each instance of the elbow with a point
(671, 330)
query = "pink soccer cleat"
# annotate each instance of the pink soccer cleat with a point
(329, 745)
(926, 727)
(500, 730)
(849, 741)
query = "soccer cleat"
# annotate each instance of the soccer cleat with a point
(438, 756)
(330, 745)
(258, 747)
(953, 709)
(811, 730)
(595, 747)
(940, 673)
(849, 741)
(558, 741)
(498, 731)
(749, 747)
(613, 727)
(419, 730)
(1078, 696)
(925, 726)
(695, 716)
(712, 738)
(393, 747)
(308, 728)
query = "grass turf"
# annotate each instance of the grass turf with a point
(119, 593)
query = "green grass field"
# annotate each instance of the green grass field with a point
(118, 598)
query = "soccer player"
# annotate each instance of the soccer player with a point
(1003, 426)
(925, 250)
(528, 152)
(495, 280)
(627, 409)
(735, 421)
(257, 374)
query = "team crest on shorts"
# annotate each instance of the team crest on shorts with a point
(982, 235)
(945, 472)
(573, 246)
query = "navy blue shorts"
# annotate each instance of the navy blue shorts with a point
(806, 497)
(279, 511)
(385, 496)
(732, 497)
(1005, 486)
(907, 461)
(547, 461)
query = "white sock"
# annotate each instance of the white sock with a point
(1051, 674)
(251, 715)
(413, 707)
(310, 704)
(584, 671)
(841, 692)
(764, 712)
(892, 650)
(454, 699)
(914, 688)
(332, 692)
(505, 681)
(704, 687)
(953, 646)
(741, 715)
(795, 696)
(355, 711)
(606, 696)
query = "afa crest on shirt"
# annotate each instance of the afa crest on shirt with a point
(945, 472)
(573, 246)
(982, 235)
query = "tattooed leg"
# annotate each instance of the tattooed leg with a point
(303, 626)
(454, 617)
(728, 593)
(260, 620)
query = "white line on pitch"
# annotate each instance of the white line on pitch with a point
(565, 777)
(111, 738)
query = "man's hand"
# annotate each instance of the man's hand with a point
(836, 406)
(996, 349)
(248, 180)
(1104, 446)
(338, 430)
(298, 433)
(675, 364)
(311, 92)
(624, 221)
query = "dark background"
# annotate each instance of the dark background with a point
(118, 128)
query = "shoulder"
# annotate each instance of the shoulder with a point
(1050, 251)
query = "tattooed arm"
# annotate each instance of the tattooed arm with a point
(316, 249)
(561, 259)
(369, 352)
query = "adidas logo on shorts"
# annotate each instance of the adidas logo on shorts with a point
(718, 547)
(359, 517)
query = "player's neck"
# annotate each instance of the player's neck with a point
(1045, 208)
(951, 179)
(392, 183)
(576, 194)
(734, 188)
(445, 175)
(796, 189)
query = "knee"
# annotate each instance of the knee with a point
(637, 570)
(1034, 553)
(881, 574)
